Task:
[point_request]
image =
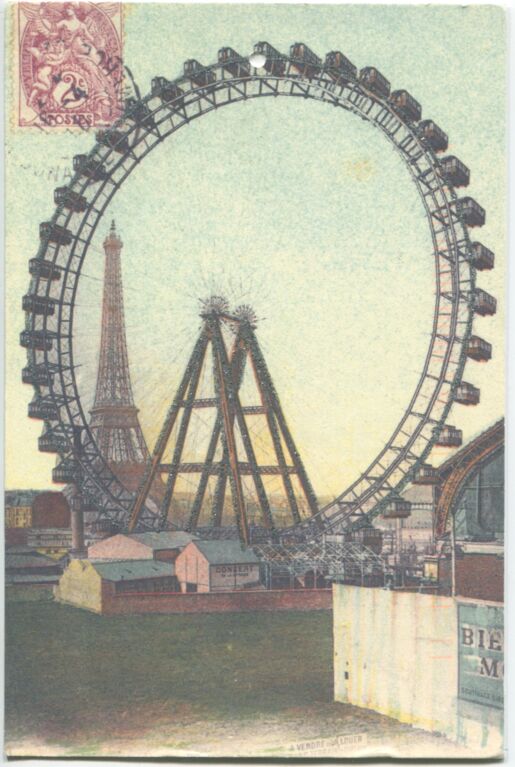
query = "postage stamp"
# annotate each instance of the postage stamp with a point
(69, 64)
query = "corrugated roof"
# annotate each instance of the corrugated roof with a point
(21, 561)
(167, 539)
(15, 498)
(20, 548)
(133, 569)
(226, 553)
(20, 578)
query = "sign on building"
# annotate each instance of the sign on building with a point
(481, 654)
(228, 577)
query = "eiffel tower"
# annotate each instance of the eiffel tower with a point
(114, 419)
(232, 455)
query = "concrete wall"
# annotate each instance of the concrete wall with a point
(397, 653)
(386, 645)
(234, 601)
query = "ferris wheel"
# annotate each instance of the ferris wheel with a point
(145, 123)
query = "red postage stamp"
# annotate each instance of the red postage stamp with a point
(70, 68)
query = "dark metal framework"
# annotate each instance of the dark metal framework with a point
(456, 472)
(145, 124)
(344, 561)
(228, 371)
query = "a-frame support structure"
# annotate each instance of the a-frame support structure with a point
(228, 372)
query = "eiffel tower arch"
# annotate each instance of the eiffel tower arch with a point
(245, 476)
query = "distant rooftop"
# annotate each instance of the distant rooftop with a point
(20, 497)
(24, 560)
(226, 553)
(132, 570)
(167, 539)
(13, 579)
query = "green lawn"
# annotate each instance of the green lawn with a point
(68, 670)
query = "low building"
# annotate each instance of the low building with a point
(91, 585)
(25, 566)
(164, 546)
(53, 541)
(210, 566)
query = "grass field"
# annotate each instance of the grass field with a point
(78, 683)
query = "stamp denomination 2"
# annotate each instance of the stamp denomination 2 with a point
(70, 66)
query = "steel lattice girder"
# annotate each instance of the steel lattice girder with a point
(331, 559)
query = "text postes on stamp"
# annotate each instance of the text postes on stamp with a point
(69, 64)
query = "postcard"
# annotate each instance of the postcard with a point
(254, 484)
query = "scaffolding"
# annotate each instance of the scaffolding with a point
(319, 564)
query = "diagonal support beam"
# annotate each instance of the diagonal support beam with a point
(237, 365)
(261, 367)
(183, 430)
(162, 440)
(276, 439)
(225, 392)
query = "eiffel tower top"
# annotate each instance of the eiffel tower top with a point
(113, 239)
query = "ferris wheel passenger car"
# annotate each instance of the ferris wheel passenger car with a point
(138, 112)
(199, 75)
(471, 212)
(455, 171)
(87, 166)
(167, 91)
(482, 257)
(275, 63)
(372, 79)
(434, 135)
(235, 64)
(54, 232)
(449, 436)
(66, 197)
(339, 67)
(478, 349)
(408, 107)
(305, 62)
(113, 139)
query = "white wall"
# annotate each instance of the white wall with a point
(397, 653)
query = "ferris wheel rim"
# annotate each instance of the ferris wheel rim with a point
(323, 92)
